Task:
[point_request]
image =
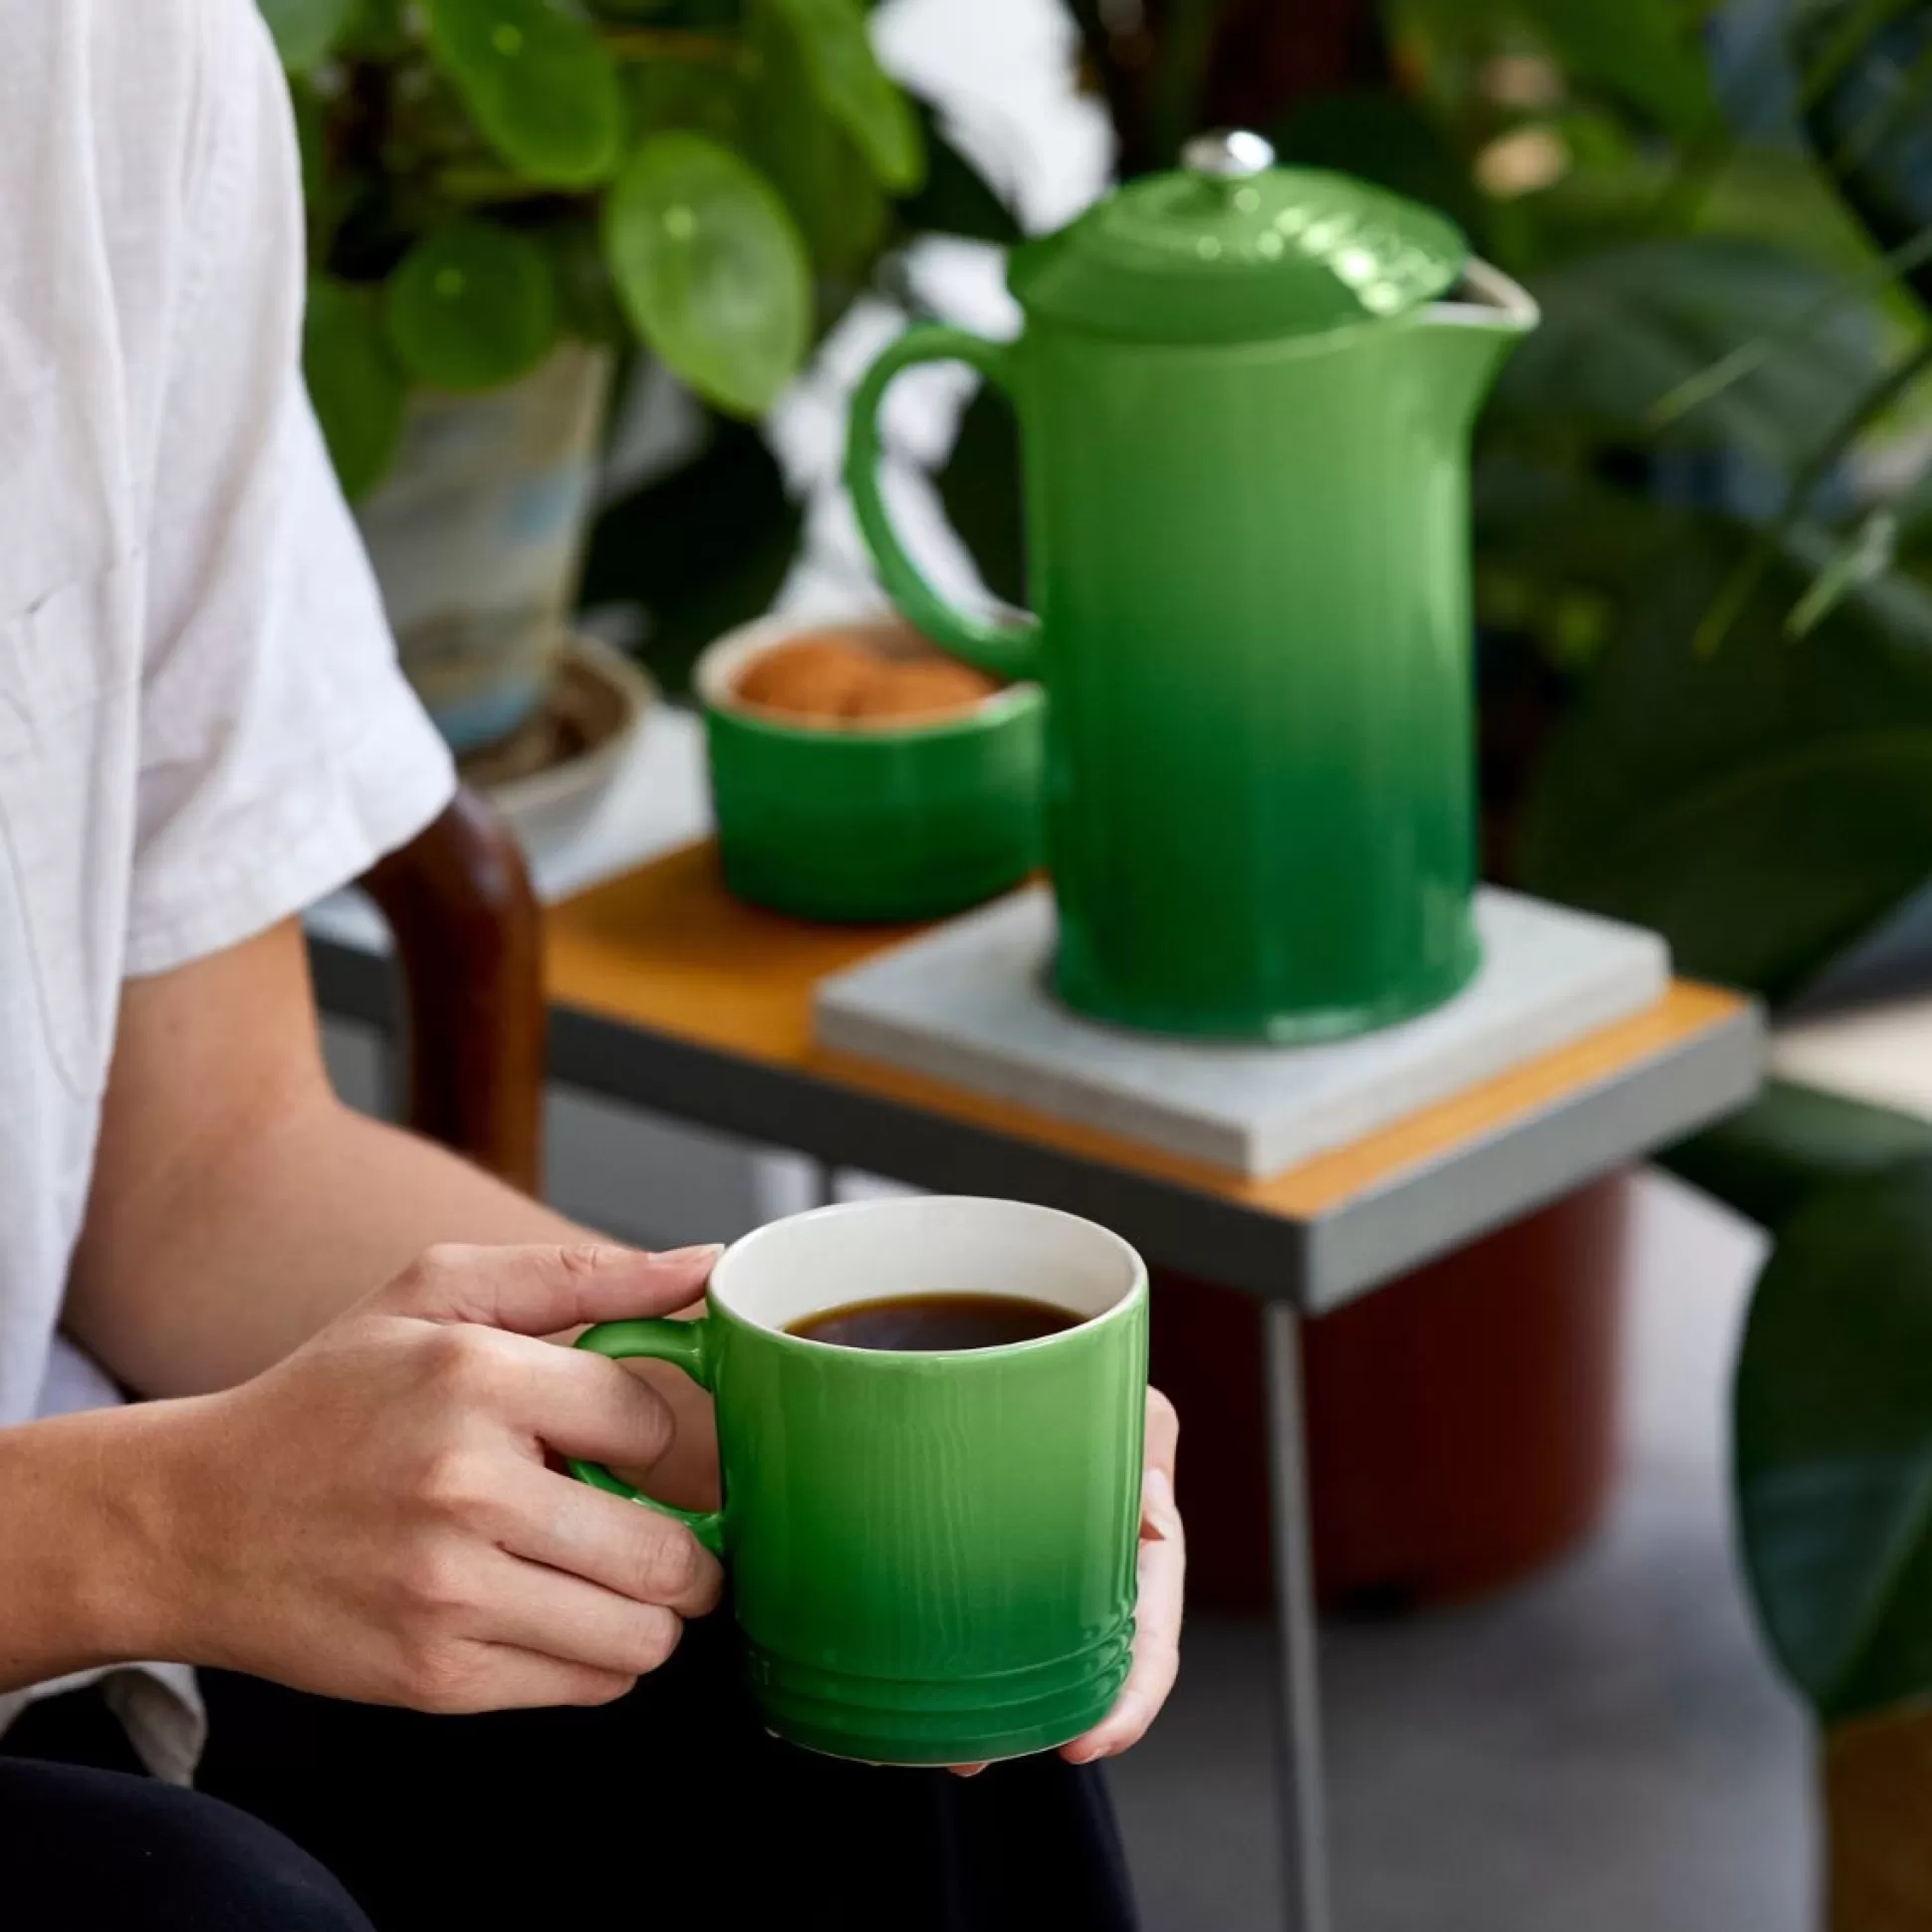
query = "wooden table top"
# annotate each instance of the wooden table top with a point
(668, 949)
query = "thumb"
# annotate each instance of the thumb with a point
(538, 1290)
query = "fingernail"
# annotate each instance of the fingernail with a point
(707, 1251)
(1155, 1485)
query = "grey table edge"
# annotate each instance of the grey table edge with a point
(1317, 1263)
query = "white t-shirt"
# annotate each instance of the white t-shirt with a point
(202, 727)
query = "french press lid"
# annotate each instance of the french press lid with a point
(1231, 248)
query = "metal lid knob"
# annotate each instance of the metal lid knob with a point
(1227, 155)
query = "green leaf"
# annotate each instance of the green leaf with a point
(1832, 34)
(539, 82)
(1763, 806)
(1864, 555)
(472, 306)
(1638, 49)
(810, 158)
(1820, 465)
(1833, 1444)
(710, 269)
(1755, 352)
(956, 198)
(1866, 106)
(856, 90)
(305, 30)
(1791, 1145)
(1626, 327)
(355, 382)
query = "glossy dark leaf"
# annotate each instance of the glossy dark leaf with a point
(1762, 806)
(697, 551)
(305, 30)
(711, 269)
(1626, 327)
(472, 306)
(1792, 1143)
(1868, 111)
(1833, 1444)
(539, 82)
(851, 86)
(355, 382)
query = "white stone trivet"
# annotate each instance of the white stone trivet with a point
(968, 1003)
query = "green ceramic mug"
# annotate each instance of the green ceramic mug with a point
(932, 1556)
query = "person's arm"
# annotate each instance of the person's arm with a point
(236, 1209)
(237, 1205)
(78, 1563)
(375, 1517)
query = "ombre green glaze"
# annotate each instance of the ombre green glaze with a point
(887, 822)
(932, 1556)
(1245, 409)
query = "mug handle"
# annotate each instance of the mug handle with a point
(1008, 651)
(681, 1344)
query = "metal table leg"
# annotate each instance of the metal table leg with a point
(1299, 1773)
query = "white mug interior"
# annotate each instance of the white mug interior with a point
(874, 1251)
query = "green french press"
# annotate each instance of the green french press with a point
(1244, 396)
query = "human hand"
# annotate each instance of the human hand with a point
(1158, 1613)
(375, 1516)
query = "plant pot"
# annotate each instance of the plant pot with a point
(477, 534)
(1462, 1421)
(551, 779)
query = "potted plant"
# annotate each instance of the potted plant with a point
(512, 201)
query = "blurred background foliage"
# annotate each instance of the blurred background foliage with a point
(1702, 491)
(1703, 531)
(1703, 569)
(1700, 528)
(706, 185)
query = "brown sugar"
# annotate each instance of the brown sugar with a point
(812, 679)
(829, 677)
(921, 687)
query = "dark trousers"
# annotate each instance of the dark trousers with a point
(672, 1808)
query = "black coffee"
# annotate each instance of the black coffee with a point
(931, 1324)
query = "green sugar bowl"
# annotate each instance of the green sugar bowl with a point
(875, 819)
